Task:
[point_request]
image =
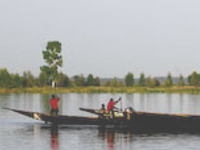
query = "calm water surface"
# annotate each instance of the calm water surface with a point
(21, 133)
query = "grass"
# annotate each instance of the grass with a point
(48, 90)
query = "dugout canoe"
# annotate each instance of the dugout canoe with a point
(68, 120)
(138, 121)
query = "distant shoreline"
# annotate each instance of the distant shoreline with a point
(49, 90)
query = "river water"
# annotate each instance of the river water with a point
(18, 132)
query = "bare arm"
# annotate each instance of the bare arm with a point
(118, 100)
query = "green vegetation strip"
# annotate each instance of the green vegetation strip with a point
(46, 90)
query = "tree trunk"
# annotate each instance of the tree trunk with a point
(53, 84)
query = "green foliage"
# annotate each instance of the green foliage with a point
(5, 78)
(63, 80)
(194, 79)
(168, 81)
(142, 80)
(90, 80)
(149, 82)
(79, 80)
(152, 82)
(181, 81)
(53, 59)
(121, 84)
(28, 80)
(97, 81)
(43, 79)
(129, 79)
(156, 82)
(114, 82)
(16, 81)
(107, 84)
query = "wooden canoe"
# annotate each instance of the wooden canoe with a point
(134, 121)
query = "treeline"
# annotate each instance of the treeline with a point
(8, 80)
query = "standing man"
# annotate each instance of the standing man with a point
(54, 104)
(111, 104)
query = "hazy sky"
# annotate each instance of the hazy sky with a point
(107, 38)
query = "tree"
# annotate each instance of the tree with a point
(194, 79)
(142, 80)
(63, 80)
(149, 82)
(168, 81)
(156, 82)
(121, 84)
(107, 84)
(16, 81)
(43, 79)
(181, 81)
(114, 82)
(129, 79)
(90, 80)
(152, 82)
(5, 78)
(53, 59)
(28, 79)
(97, 81)
(79, 80)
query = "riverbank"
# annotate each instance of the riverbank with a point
(46, 90)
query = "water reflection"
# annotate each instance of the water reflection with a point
(60, 136)
(54, 138)
(142, 102)
(181, 104)
(109, 136)
(114, 137)
(169, 103)
(40, 137)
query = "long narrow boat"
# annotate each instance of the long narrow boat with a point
(138, 121)
(69, 120)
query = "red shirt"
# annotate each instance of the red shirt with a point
(110, 105)
(54, 103)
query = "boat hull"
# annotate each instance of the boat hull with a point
(138, 121)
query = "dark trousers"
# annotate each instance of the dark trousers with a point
(112, 113)
(54, 111)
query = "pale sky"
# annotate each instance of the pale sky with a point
(107, 38)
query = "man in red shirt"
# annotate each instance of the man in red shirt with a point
(54, 104)
(111, 104)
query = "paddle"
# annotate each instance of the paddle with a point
(118, 100)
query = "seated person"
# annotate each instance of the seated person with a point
(102, 109)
